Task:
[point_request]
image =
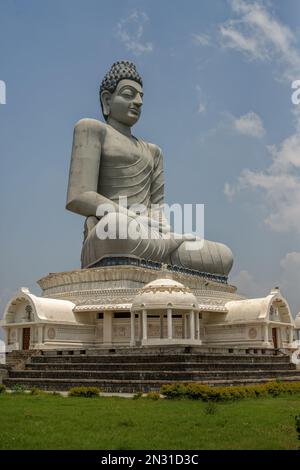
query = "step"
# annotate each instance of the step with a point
(159, 359)
(125, 386)
(133, 366)
(149, 374)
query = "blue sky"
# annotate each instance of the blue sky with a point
(217, 81)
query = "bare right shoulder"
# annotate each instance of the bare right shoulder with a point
(93, 127)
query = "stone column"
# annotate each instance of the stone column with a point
(140, 321)
(40, 334)
(192, 325)
(161, 319)
(266, 333)
(170, 326)
(145, 325)
(186, 326)
(31, 340)
(99, 332)
(132, 328)
(291, 335)
(107, 327)
(19, 338)
(183, 325)
(197, 326)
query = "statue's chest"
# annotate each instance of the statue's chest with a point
(121, 154)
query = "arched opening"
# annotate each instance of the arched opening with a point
(281, 324)
(19, 318)
(20, 310)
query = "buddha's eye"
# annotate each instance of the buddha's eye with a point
(127, 94)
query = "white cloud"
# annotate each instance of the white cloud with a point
(229, 191)
(250, 124)
(280, 181)
(234, 39)
(201, 39)
(290, 280)
(201, 100)
(291, 263)
(260, 36)
(201, 108)
(248, 286)
(130, 31)
(287, 155)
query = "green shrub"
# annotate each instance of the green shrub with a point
(18, 388)
(198, 391)
(153, 395)
(2, 388)
(137, 395)
(176, 390)
(274, 388)
(202, 392)
(86, 392)
(36, 391)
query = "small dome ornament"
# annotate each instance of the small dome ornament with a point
(164, 293)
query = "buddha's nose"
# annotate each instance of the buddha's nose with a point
(138, 100)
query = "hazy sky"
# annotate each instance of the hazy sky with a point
(217, 81)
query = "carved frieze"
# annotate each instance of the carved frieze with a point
(119, 277)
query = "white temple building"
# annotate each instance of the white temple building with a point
(125, 294)
(139, 306)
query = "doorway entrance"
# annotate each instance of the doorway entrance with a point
(26, 338)
(274, 337)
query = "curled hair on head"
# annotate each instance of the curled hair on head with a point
(121, 70)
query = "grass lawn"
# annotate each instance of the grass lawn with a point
(55, 422)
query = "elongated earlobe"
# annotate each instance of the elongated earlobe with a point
(105, 100)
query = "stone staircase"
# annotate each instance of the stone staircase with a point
(132, 370)
(18, 359)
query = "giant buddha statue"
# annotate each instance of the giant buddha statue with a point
(108, 163)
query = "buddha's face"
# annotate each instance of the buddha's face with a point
(124, 104)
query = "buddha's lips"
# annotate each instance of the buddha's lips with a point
(135, 111)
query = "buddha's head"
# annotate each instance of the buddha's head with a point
(121, 93)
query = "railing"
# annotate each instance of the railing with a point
(126, 261)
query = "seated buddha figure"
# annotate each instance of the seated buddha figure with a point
(109, 163)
